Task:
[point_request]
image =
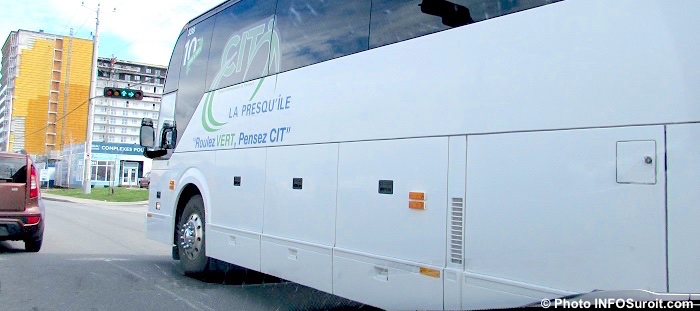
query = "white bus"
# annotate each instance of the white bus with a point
(426, 154)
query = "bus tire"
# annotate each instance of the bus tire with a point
(190, 237)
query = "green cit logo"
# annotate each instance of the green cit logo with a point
(208, 121)
(239, 53)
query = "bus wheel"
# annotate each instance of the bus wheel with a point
(191, 237)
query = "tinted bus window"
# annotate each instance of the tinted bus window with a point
(313, 31)
(241, 43)
(394, 21)
(174, 66)
(193, 71)
(482, 10)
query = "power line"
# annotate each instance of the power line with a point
(83, 103)
(61, 118)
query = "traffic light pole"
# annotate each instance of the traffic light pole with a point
(87, 167)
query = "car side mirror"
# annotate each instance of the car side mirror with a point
(148, 137)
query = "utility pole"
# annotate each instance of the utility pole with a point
(87, 167)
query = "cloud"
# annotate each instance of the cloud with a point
(139, 30)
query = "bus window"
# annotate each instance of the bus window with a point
(482, 10)
(394, 21)
(313, 31)
(174, 67)
(193, 70)
(241, 43)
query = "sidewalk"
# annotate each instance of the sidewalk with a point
(62, 198)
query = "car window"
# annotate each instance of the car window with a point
(13, 170)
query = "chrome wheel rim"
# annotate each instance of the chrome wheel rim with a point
(191, 235)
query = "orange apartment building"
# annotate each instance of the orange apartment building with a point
(44, 88)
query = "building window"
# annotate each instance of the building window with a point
(111, 139)
(133, 139)
(102, 170)
(112, 120)
(127, 77)
(123, 139)
(111, 129)
(148, 70)
(157, 72)
(123, 130)
(125, 112)
(125, 121)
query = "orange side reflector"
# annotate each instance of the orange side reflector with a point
(172, 185)
(416, 196)
(430, 272)
(416, 205)
(149, 215)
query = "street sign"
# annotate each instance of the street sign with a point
(44, 175)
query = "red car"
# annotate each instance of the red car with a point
(21, 207)
(145, 181)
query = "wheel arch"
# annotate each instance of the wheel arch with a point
(193, 182)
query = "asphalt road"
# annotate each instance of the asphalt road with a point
(97, 258)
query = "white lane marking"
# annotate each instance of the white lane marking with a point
(98, 259)
(193, 306)
(129, 271)
(177, 297)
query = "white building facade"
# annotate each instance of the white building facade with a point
(118, 120)
(117, 158)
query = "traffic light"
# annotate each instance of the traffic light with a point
(123, 93)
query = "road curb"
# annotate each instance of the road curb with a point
(66, 199)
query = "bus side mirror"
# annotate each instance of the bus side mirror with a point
(148, 137)
(169, 137)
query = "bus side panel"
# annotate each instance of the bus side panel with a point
(299, 216)
(683, 207)
(571, 211)
(385, 283)
(380, 223)
(236, 215)
(159, 225)
(238, 189)
(305, 211)
(373, 221)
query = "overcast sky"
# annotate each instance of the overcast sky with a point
(139, 30)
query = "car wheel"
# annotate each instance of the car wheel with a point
(190, 237)
(33, 245)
